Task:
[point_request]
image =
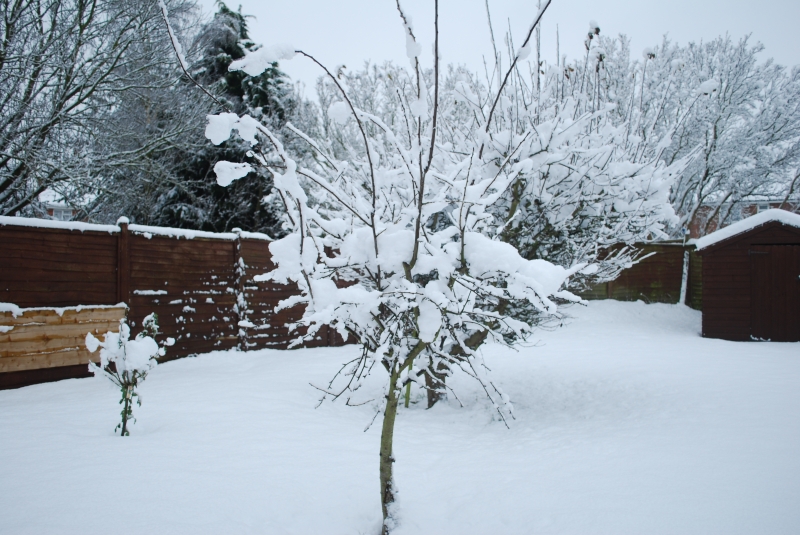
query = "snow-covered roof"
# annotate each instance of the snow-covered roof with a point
(740, 227)
(143, 230)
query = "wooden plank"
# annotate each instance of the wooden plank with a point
(175, 286)
(48, 360)
(32, 273)
(57, 298)
(169, 258)
(182, 253)
(53, 317)
(94, 289)
(42, 375)
(220, 300)
(176, 273)
(181, 248)
(47, 260)
(38, 234)
(45, 250)
(45, 332)
(157, 240)
(145, 279)
(727, 279)
(29, 347)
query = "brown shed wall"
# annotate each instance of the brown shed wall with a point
(726, 280)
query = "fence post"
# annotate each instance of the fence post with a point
(123, 263)
(684, 276)
(241, 297)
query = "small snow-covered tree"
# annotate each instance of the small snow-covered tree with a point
(399, 227)
(127, 362)
(403, 216)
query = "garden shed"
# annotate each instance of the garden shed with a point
(751, 279)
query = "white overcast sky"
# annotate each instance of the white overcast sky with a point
(350, 32)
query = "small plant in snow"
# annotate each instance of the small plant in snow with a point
(126, 362)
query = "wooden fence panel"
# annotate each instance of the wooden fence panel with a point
(270, 329)
(190, 285)
(39, 338)
(656, 279)
(57, 267)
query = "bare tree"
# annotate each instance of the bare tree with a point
(62, 63)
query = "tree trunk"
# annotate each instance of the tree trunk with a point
(126, 396)
(435, 385)
(436, 389)
(387, 437)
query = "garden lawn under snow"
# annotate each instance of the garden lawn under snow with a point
(627, 421)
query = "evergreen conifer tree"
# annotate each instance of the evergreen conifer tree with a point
(269, 97)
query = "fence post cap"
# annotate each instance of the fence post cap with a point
(123, 221)
(237, 230)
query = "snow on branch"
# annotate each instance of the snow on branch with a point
(261, 59)
(174, 38)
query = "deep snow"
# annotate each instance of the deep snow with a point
(627, 422)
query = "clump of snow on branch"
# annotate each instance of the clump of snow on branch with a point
(708, 87)
(128, 356)
(413, 48)
(256, 62)
(227, 172)
(339, 112)
(220, 126)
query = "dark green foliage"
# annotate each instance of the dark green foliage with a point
(200, 203)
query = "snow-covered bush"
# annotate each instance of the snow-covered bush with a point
(126, 362)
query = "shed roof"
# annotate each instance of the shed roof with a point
(747, 224)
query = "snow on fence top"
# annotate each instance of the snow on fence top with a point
(740, 227)
(49, 223)
(143, 230)
(18, 311)
(148, 232)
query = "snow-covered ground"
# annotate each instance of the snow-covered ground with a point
(627, 422)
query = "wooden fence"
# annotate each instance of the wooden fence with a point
(657, 278)
(202, 284)
(199, 283)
